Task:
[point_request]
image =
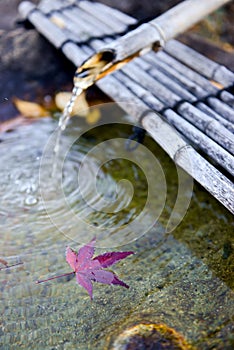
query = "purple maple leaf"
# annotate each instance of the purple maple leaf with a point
(89, 269)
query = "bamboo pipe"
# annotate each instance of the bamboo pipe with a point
(149, 35)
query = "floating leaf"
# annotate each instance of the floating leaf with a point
(80, 108)
(89, 269)
(30, 109)
(4, 262)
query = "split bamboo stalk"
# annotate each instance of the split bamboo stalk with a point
(204, 65)
(88, 19)
(220, 129)
(191, 133)
(209, 173)
(118, 26)
(193, 81)
(208, 111)
(108, 11)
(156, 32)
(207, 124)
(221, 108)
(47, 6)
(220, 135)
(227, 98)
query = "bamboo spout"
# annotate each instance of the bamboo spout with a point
(149, 35)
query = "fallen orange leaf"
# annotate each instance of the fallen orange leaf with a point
(80, 108)
(30, 109)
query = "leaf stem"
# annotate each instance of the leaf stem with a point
(52, 278)
(8, 266)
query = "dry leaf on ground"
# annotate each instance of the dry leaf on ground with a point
(80, 108)
(30, 109)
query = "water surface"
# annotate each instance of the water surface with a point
(183, 279)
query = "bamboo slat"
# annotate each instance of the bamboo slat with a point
(176, 76)
(196, 137)
(166, 96)
(43, 24)
(200, 63)
(117, 25)
(221, 108)
(54, 34)
(79, 33)
(182, 153)
(74, 53)
(110, 12)
(208, 125)
(25, 8)
(47, 6)
(158, 31)
(203, 107)
(87, 18)
(195, 82)
(227, 98)
(164, 79)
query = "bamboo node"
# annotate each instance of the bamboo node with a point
(178, 152)
(160, 32)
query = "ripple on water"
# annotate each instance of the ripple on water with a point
(32, 236)
(58, 314)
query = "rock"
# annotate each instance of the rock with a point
(150, 336)
(30, 67)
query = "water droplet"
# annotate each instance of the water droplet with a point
(31, 200)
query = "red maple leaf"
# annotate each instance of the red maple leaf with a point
(89, 269)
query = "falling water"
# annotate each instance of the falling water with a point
(85, 76)
(62, 125)
(66, 115)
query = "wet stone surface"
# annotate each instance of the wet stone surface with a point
(150, 337)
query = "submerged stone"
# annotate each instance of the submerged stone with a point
(150, 337)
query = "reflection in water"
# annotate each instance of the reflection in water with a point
(184, 279)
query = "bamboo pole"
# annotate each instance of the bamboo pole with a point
(204, 65)
(165, 27)
(152, 34)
